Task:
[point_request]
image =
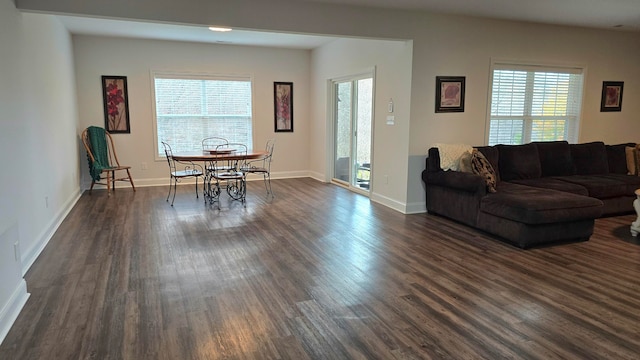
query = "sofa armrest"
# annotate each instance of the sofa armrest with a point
(433, 160)
(457, 180)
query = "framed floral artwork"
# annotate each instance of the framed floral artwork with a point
(116, 104)
(611, 96)
(283, 106)
(450, 94)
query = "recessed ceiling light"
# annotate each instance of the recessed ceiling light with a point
(618, 26)
(219, 29)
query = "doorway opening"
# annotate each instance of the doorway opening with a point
(352, 124)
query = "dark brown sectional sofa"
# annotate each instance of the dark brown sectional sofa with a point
(547, 192)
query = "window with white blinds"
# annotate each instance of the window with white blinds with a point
(531, 103)
(190, 108)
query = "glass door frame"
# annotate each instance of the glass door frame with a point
(332, 109)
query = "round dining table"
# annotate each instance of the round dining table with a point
(214, 155)
(235, 185)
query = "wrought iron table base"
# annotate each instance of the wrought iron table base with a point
(236, 189)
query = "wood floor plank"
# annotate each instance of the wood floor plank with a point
(317, 273)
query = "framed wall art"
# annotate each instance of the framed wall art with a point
(611, 96)
(116, 104)
(283, 106)
(450, 94)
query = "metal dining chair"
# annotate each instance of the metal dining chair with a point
(187, 170)
(262, 166)
(228, 173)
(211, 144)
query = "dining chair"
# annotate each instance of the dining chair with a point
(102, 158)
(262, 166)
(229, 174)
(188, 169)
(211, 144)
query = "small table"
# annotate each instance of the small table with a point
(210, 157)
(635, 226)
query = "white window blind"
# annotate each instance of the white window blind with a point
(530, 103)
(190, 108)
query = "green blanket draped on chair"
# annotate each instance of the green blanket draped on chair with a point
(98, 144)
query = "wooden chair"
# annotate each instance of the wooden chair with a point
(102, 158)
(262, 166)
(188, 170)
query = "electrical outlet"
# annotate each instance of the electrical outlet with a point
(144, 166)
(386, 179)
(46, 202)
(16, 251)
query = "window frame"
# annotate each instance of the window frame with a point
(529, 66)
(158, 152)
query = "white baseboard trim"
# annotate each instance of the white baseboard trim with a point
(416, 208)
(9, 313)
(388, 202)
(34, 251)
(317, 176)
(289, 174)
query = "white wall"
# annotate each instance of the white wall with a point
(136, 58)
(391, 61)
(442, 45)
(465, 46)
(13, 291)
(38, 145)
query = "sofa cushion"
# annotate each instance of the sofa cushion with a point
(481, 166)
(554, 184)
(590, 158)
(519, 162)
(617, 158)
(555, 158)
(514, 202)
(631, 182)
(599, 186)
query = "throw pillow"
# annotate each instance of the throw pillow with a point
(636, 151)
(631, 160)
(481, 166)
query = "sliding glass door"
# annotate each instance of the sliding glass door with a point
(353, 113)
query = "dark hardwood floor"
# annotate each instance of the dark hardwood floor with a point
(317, 273)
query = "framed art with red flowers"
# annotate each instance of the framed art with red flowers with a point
(283, 106)
(611, 96)
(116, 104)
(450, 94)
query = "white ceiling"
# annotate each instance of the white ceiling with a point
(587, 13)
(159, 31)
